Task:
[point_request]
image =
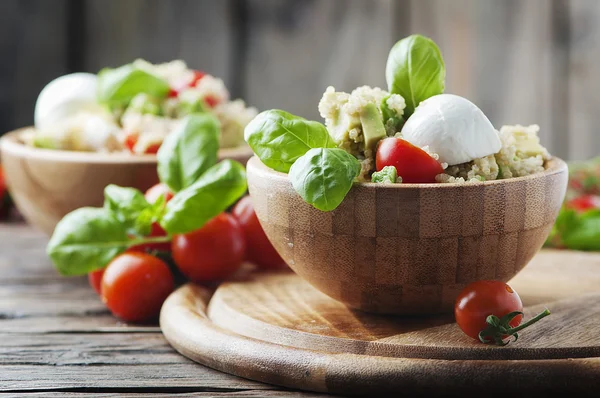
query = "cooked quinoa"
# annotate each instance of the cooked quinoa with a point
(521, 154)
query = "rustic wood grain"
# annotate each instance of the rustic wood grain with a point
(283, 309)
(57, 339)
(190, 330)
(414, 260)
(33, 49)
(198, 31)
(298, 48)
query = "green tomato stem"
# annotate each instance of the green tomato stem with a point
(153, 239)
(533, 320)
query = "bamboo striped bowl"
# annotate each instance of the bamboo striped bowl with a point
(409, 248)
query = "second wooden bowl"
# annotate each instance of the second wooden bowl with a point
(47, 184)
(409, 248)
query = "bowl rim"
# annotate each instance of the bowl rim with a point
(555, 165)
(11, 143)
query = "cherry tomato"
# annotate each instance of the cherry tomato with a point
(95, 279)
(412, 163)
(259, 249)
(480, 299)
(160, 189)
(212, 252)
(198, 75)
(130, 141)
(211, 101)
(584, 202)
(135, 285)
(172, 93)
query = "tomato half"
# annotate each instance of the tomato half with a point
(480, 299)
(95, 280)
(259, 249)
(135, 285)
(412, 163)
(213, 252)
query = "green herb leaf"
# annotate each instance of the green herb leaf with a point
(579, 231)
(415, 69)
(217, 189)
(387, 175)
(117, 87)
(279, 138)
(323, 176)
(188, 151)
(85, 240)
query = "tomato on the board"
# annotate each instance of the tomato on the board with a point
(483, 298)
(491, 311)
(135, 285)
(95, 280)
(212, 252)
(259, 249)
(412, 163)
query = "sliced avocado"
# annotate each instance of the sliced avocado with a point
(372, 124)
(528, 144)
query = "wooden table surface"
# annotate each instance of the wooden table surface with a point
(57, 339)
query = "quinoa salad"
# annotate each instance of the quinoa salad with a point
(413, 132)
(133, 108)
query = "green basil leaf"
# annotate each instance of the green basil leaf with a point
(217, 189)
(188, 151)
(117, 87)
(85, 240)
(126, 204)
(323, 176)
(415, 69)
(580, 231)
(387, 175)
(143, 222)
(279, 138)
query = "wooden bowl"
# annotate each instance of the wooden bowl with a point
(47, 184)
(409, 248)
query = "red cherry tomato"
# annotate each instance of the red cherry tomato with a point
(480, 299)
(584, 202)
(259, 249)
(213, 252)
(160, 189)
(198, 75)
(135, 285)
(95, 279)
(172, 93)
(412, 163)
(211, 101)
(130, 141)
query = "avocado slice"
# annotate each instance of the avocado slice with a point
(372, 126)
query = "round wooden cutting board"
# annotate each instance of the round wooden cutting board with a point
(276, 328)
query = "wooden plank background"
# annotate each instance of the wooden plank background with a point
(524, 62)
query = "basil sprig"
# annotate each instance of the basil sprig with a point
(188, 151)
(88, 238)
(278, 138)
(117, 87)
(323, 176)
(415, 69)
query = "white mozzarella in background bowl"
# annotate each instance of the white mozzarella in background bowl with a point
(64, 97)
(453, 127)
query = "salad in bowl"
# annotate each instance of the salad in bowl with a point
(132, 108)
(410, 133)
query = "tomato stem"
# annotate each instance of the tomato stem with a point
(533, 320)
(499, 329)
(153, 239)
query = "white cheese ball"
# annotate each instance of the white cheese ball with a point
(453, 127)
(64, 97)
